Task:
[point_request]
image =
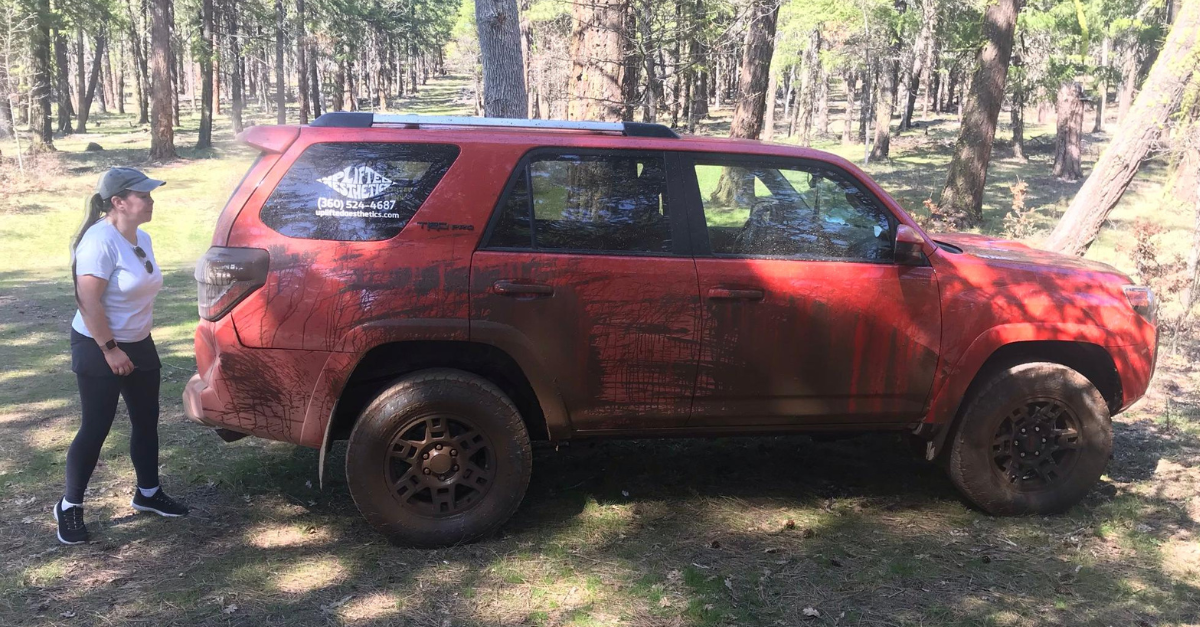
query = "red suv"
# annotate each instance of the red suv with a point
(441, 291)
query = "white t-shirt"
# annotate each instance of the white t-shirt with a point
(129, 297)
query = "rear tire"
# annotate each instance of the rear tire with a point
(1033, 440)
(441, 457)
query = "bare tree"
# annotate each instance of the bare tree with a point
(1068, 164)
(86, 95)
(204, 52)
(1137, 133)
(280, 82)
(756, 65)
(597, 60)
(162, 133)
(962, 196)
(499, 28)
(301, 62)
(39, 117)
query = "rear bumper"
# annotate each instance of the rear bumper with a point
(192, 406)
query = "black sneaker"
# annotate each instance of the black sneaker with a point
(71, 529)
(160, 504)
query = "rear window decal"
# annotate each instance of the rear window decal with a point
(358, 182)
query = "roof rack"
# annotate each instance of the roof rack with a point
(364, 119)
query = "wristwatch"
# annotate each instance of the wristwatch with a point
(111, 344)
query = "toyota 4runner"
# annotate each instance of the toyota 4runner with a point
(442, 291)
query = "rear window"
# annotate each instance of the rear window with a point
(355, 191)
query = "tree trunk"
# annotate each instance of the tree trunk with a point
(237, 71)
(339, 86)
(735, 186)
(821, 122)
(350, 86)
(162, 133)
(119, 87)
(108, 92)
(922, 57)
(752, 76)
(173, 64)
(1102, 89)
(630, 73)
(931, 77)
(1133, 139)
(39, 94)
(597, 61)
(864, 105)
(280, 82)
(885, 105)
(1017, 116)
(806, 102)
(654, 84)
(933, 96)
(499, 28)
(851, 79)
(769, 114)
(140, 69)
(62, 83)
(962, 197)
(1067, 146)
(301, 62)
(85, 101)
(1129, 77)
(80, 69)
(314, 84)
(7, 126)
(205, 53)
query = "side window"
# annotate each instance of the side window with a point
(802, 211)
(594, 203)
(355, 191)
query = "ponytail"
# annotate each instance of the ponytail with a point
(94, 207)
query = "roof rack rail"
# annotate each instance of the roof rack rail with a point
(364, 119)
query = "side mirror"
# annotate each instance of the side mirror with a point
(910, 247)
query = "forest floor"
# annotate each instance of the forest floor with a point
(856, 532)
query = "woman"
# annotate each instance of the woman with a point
(112, 353)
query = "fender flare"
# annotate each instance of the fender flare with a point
(947, 400)
(359, 341)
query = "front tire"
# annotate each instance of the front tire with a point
(1034, 439)
(441, 457)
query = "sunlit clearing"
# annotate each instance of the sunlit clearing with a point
(311, 574)
(374, 606)
(273, 536)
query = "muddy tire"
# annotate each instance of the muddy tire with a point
(1034, 439)
(441, 457)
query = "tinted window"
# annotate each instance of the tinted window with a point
(804, 211)
(588, 203)
(355, 192)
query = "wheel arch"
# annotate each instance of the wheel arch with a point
(1091, 360)
(384, 363)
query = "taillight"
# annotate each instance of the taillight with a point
(1141, 298)
(224, 276)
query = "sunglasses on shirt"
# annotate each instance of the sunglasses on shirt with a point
(145, 260)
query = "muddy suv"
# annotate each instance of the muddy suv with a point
(442, 291)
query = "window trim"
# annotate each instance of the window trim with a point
(677, 215)
(304, 150)
(695, 203)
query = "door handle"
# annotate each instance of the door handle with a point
(511, 288)
(723, 293)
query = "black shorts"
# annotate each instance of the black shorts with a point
(87, 358)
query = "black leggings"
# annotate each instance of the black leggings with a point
(98, 395)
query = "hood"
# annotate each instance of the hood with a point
(1007, 252)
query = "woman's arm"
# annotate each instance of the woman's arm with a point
(89, 290)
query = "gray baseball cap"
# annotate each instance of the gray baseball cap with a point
(117, 180)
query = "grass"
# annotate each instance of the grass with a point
(633, 533)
